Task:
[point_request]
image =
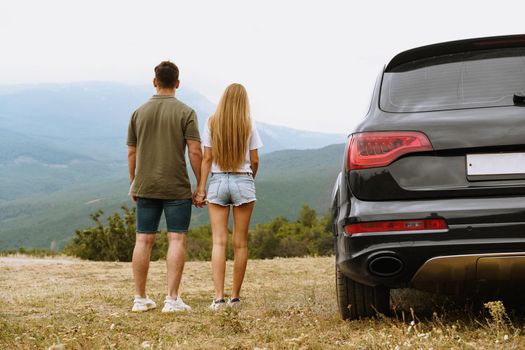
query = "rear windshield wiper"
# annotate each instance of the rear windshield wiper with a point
(519, 99)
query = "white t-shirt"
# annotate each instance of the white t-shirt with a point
(254, 142)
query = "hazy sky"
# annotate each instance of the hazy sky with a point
(306, 64)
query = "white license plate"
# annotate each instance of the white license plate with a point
(496, 164)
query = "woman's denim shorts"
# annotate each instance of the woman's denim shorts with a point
(231, 189)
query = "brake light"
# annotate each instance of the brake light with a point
(397, 225)
(378, 149)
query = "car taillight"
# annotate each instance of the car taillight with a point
(397, 225)
(378, 149)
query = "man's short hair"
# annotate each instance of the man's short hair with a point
(167, 74)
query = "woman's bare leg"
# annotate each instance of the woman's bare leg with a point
(241, 223)
(219, 228)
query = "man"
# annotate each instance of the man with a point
(158, 134)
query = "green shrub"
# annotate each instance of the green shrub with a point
(111, 242)
(309, 235)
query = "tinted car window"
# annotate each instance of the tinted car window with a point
(468, 80)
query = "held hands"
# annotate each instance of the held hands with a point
(199, 198)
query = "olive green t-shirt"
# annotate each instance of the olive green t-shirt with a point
(159, 130)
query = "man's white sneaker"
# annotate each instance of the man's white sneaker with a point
(141, 304)
(174, 305)
(217, 304)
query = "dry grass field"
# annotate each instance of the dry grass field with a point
(288, 304)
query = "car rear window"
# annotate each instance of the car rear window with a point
(487, 78)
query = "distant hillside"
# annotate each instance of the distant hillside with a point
(287, 180)
(17, 148)
(29, 167)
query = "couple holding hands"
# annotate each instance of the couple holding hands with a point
(159, 133)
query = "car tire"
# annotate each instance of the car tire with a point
(356, 300)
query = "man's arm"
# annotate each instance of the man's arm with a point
(132, 162)
(195, 155)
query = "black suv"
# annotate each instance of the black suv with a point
(432, 190)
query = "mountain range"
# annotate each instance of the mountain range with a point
(92, 118)
(64, 156)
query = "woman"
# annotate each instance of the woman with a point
(230, 142)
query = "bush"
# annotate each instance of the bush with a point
(309, 235)
(280, 238)
(113, 242)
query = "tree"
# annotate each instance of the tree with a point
(307, 216)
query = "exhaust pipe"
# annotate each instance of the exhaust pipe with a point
(385, 266)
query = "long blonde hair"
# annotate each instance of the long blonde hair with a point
(230, 128)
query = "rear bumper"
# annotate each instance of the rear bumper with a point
(488, 273)
(491, 229)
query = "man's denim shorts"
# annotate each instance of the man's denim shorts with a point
(231, 189)
(177, 213)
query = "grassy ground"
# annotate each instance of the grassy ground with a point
(288, 303)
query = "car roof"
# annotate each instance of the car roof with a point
(458, 46)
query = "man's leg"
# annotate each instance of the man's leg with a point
(175, 261)
(148, 218)
(140, 263)
(178, 215)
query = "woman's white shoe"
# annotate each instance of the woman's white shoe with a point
(217, 304)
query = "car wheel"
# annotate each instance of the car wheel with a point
(357, 300)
